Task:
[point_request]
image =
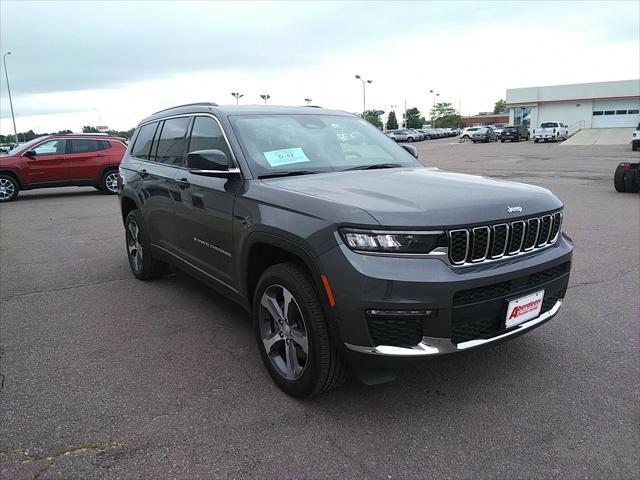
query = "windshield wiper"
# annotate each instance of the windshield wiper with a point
(373, 167)
(287, 174)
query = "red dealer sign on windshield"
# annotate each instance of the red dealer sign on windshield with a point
(524, 308)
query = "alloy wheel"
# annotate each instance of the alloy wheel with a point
(134, 245)
(111, 182)
(284, 333)
(7, 189)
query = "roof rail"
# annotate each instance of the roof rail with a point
(83, 133)
(207, 104)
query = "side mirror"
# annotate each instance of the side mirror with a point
(411, 149)
(209, 162)
(30, 153)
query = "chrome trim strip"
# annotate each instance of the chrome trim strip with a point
(560, 217)
(439, 346)
(506, 240)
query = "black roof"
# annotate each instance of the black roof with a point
(209, 107)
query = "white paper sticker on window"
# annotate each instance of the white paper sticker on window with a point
(277, 158)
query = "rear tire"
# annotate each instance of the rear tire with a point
(630, 183)
(502, 141)
(109, 182)
(9, 188)
(535, 140)
(142, 263)
(618, 179)
(409, 139)
(634, 147)
(286, 334)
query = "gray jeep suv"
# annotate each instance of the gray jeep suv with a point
(345, 249)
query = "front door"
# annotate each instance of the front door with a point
(49, 164)
(205, 211)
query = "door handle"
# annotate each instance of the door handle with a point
(143, 173)
(183, 183)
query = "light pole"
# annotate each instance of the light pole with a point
(393, 109)
(13, 118)
(434, 104)
(265, 97)
(364, 94)
(237, 96)
(308, 100)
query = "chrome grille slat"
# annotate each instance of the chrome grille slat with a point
(491, 242)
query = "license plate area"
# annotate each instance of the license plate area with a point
(524, 308)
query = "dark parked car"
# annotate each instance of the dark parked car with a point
(484, 134)
(346, 253)
(514, 133)
(62, 161)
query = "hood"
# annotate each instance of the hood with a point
(424, 197)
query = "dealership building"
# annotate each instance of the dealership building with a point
(582, 105)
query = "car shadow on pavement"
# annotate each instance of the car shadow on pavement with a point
(32, 195)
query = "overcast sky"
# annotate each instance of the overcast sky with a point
(112, 63)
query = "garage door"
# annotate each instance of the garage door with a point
(616, 113)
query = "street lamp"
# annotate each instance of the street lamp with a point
(434, 104)
(265, 97)
(364, 95)
(15, 131)
(237, 96)
(308, 100)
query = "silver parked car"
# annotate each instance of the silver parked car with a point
(403, 136)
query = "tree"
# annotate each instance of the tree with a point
(64, 132)
(373, 119)
(89, 129)
(392, 121)
(444, 115)
(413, 119)
(500, 106)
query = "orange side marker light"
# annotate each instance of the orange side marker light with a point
(327, 288)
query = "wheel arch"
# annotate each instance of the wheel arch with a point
(127, 204)
(12, 173)
(266, 249)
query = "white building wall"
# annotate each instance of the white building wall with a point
(622, 88)
(568, 113)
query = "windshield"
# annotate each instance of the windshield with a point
(21, 146)
(549, 125)
(314, 144)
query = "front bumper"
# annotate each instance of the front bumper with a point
(368, 282)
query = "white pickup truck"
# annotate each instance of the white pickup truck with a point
(551, 131)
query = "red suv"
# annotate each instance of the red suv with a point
(62, 161)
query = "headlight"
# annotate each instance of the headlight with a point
(391, 242)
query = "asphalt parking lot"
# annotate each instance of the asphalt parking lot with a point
(109, 377)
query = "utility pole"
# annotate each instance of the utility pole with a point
(434, 105)
(13, 118)
(364, 94)
(237, 96)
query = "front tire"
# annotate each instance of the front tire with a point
(292, 334)
(142, 263)
(9, 188)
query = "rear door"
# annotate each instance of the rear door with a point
(49, 164)
(204, 213)
(86, 158)
(152, 186)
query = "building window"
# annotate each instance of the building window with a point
(598, 112)
(522, 116)
(609, 112)
(633, 112)
(621, 112)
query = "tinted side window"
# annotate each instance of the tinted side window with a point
(52, 147)
(142, 147)
(82, 145)
(206, 135)
(172, 141)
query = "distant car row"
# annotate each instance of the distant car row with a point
(419, 134)
(495, 133)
